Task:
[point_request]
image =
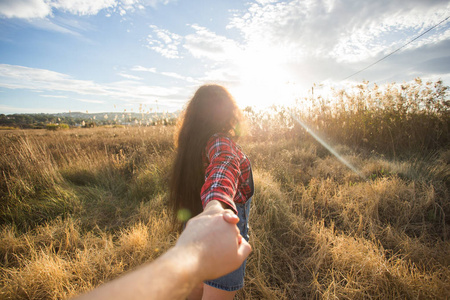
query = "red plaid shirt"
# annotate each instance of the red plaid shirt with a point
(228, 174)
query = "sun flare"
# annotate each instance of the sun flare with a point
(265, 79)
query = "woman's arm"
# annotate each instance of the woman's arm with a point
(200, 254)
(222, 173)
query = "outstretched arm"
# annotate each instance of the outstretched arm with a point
(208, 248)
(222, 173)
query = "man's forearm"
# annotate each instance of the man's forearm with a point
(171, 276)
(209, 247)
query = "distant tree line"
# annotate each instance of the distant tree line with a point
(36, 121)
(41, 121)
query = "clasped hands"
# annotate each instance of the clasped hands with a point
(218, 244)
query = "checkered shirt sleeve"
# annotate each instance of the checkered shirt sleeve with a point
(223, 171)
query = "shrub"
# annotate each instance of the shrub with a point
(51, 127)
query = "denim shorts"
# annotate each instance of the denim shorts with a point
(235, 280)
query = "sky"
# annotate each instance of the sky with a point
(151, 55)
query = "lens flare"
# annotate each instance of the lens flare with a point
(328, 147)
(183, 215)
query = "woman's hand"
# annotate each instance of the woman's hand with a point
(218, 245)
(215, 206)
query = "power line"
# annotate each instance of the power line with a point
(398, 49)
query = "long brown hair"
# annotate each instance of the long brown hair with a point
(211, 110)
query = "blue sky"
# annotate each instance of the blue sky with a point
(112, 55)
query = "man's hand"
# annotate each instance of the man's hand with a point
(208, 248)
(214, 239)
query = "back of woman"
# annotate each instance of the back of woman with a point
(211, 166)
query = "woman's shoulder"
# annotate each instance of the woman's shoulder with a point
(220, 137)
(220, 141)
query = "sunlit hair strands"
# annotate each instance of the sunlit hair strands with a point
(211, 110)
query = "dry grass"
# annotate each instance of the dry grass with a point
(80, 207)
(335, 235)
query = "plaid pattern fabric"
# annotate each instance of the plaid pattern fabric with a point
(228, 175)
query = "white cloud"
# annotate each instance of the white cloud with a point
(54, 96)
(141, 4)
(345, 30)
(178, 76)
(6, 109)
(90, 101)
(24, 9)
(128, 76)
(143, 69)
(207, 44)
(19, 77)
(38, 9)
(49, 25)
(228, 76)
(392, 31)
(82, 7)
(129, 4)
(291, 40)
(201, 44)
(318, 40)
(165, 43)
(168, 74)
(40, 79)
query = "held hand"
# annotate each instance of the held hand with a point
(215, 206)
(213, 238)
(228, 214)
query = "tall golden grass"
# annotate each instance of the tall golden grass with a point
(82, 206)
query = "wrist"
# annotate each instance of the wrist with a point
(185, 259)
(222, 204)
(213, 203)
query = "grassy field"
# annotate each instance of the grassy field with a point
(80, 207)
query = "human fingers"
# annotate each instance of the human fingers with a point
(244, 249)
(239, 239)
(230, 217)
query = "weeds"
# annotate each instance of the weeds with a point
(80, 207)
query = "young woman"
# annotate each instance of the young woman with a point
(210, 166)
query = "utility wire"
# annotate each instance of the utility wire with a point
(398, 49)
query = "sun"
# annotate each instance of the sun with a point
(265, 78)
